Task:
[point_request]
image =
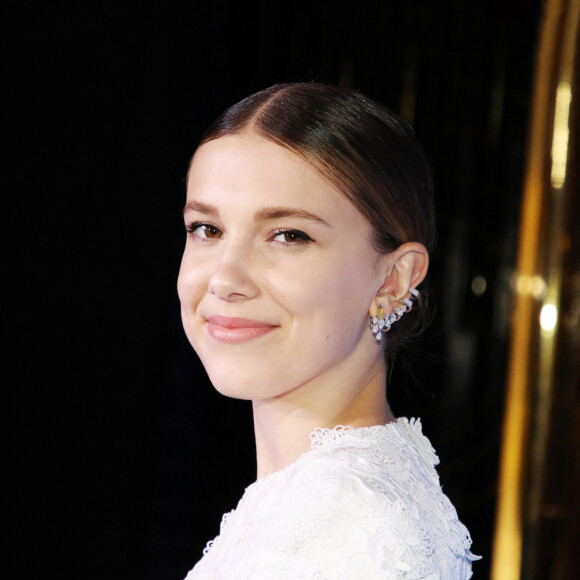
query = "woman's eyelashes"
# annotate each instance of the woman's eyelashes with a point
(282, 236)
(204, 230)
(292, 237)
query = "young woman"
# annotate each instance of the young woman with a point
(309, 219)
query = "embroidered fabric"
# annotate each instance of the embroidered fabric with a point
(364, 503)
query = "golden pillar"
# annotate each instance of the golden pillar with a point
(535, 513)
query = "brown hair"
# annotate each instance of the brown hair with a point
(368, 153)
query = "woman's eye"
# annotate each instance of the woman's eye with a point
(292, 237)
(203, 230)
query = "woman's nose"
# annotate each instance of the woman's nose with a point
(231, 279)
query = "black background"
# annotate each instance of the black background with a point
(123, 454)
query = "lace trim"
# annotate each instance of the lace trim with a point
(323, 436)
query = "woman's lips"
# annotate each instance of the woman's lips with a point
(236, 329)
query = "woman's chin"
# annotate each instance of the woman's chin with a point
(249, 388)
(232, 391)
(234, 387)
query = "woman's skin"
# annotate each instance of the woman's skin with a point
(277, 281)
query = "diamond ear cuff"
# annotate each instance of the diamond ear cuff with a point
(382, 322)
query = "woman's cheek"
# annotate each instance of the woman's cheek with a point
(190, 282)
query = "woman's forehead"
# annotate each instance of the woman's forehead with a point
(256, 167)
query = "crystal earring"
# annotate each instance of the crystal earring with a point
(382, 322)
(406, 303)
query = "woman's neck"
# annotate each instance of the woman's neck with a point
(283, 424)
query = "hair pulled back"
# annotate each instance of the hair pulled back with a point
(364, 150)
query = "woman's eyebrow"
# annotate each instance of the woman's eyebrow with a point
(201, 207)
(267, 213)
(283, 212)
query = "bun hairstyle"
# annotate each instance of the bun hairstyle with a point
(364, 150)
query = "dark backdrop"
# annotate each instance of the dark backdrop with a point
(124, 456)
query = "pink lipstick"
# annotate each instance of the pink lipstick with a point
(236, 329)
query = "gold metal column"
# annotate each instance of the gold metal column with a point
(548, 189)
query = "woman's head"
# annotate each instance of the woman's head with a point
(307, 207)
(366, 152)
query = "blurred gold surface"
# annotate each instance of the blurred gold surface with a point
(542, 361)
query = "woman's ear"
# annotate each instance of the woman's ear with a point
(405, 268)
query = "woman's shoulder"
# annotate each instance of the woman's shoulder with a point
(380, 483)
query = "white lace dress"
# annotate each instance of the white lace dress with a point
(362, 504)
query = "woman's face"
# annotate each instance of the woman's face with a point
(278, 273)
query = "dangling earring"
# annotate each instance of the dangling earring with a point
(382, 322)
